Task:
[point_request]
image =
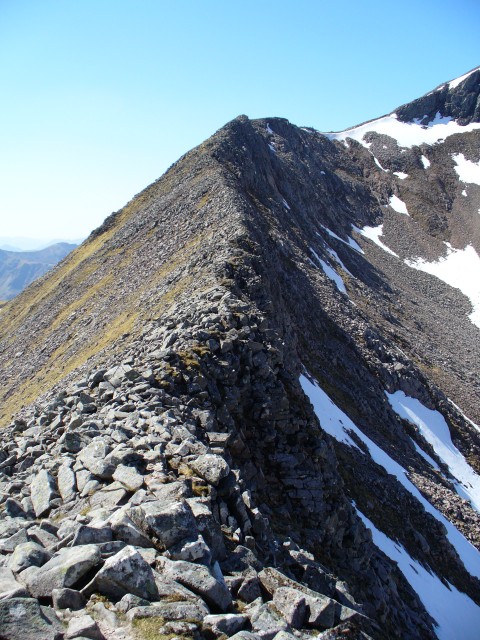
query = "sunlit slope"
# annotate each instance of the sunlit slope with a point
(126, 272)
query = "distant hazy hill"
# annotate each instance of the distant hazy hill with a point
(19, 268)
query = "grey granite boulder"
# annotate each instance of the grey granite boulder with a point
(83, 626)
(27, 555)
(43, 490)
(9, 587)
(167, 522)
(129, 477)
(25, 619)
(225, 623)
(292, 605)
(125, 572)
(200, 580)
(67, 484)
(64, 570)
(94, 457)
(211, 468)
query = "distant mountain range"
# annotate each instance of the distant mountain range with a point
(21, 243)
(19, 268)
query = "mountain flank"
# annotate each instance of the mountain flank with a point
(239, 408)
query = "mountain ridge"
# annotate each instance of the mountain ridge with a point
(216, 307)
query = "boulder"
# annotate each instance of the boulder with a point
(94, 457)
(225, 623)
(22, 618)
(43, 490)
(167, 522)
(211, 468)
(192, 611)
(68, 599)
(292, 605)
(125, 572)
(9, 587)
(64, 570)
(27, 555)
(83, 626)
(129, 477)
(198, 579)
(67, 485)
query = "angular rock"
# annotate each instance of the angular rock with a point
(125, 572)
(211, 468)
(9, 587)
(68, 599)
(198, 579)
(167, 522)
(94, 457)
(83, 626)
(124, 529)
(170, 611)
(108, 497)
(11, 543)
(249, 589)
(27, 555)
(292, 605)
(67, 484)
(129, 477)
(322, 610)
(64, 570)
(91, 535)
(43, 490)
(267, 622)
(227, 623)
(24, 618)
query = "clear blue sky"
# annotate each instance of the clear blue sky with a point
(99, 97)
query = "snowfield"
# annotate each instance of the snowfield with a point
(407, 134)
(457, 616)
(435, 430)
(335, 422)
(467, 170)
(373, 234)
(460, 269)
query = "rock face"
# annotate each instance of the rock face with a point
(212, 440)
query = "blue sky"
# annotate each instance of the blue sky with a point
(99, 97)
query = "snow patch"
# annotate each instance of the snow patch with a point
(407, 134)
(342, 425)
(464, 193)
(269, 130)
(285, 204)
(460, 269)
(331, 418)
(335, 256)
(400, 175)
(349, 241)
(398, 205)
(373, 234)
(454, 83)
(425, 161)
(456, 615)
(467, 170)
(435, 430)
(379, 165)
(330, 273)
(272, 148)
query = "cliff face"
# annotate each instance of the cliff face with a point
(250, 372)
